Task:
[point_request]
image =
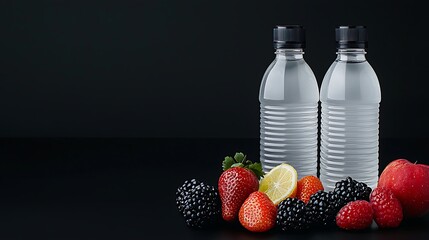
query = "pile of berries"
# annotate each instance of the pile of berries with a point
(322, 207)
(352, 205)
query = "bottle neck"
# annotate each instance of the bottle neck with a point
(351, 55)
(289, 54)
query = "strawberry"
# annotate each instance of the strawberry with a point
(308, 186)
(237, 182)
(258, 213)
(387, 208)
(355, 215)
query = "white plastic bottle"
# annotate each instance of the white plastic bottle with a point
(289, 97)
(350, 96)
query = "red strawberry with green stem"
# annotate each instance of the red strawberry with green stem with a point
(239, 179)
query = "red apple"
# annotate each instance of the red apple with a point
(410, 184)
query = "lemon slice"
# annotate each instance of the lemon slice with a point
(280, 183)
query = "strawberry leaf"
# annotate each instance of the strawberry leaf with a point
(227, 163)
(237, 165)
(257, 169)
(239, 157)
(240, 160)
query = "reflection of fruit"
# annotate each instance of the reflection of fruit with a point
(349, 190)
(198, 203)
(308, 186)
(409, 182)
(236, 183)
(258, 213)
(280, 183)
(292, 215)
(355, 215)
(321, 209)
(387, 208)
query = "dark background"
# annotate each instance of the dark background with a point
(187, 68)
(167, 89)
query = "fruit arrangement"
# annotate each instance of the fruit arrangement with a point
(260, 202)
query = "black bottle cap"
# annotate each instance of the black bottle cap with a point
(289, 36)
(351, 37)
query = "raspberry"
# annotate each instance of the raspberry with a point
(308, 186)
(355, 215)
(387, 208)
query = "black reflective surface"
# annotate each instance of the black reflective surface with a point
(124, 188)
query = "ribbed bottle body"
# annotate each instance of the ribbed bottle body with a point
(289, 134)
(350, 97)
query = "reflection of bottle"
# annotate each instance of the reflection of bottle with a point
(350, 96)
(289, 98)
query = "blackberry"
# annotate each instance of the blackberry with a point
(292, 215)
(349, 190)
(198, 203)
(321, 209)
(183, 191)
